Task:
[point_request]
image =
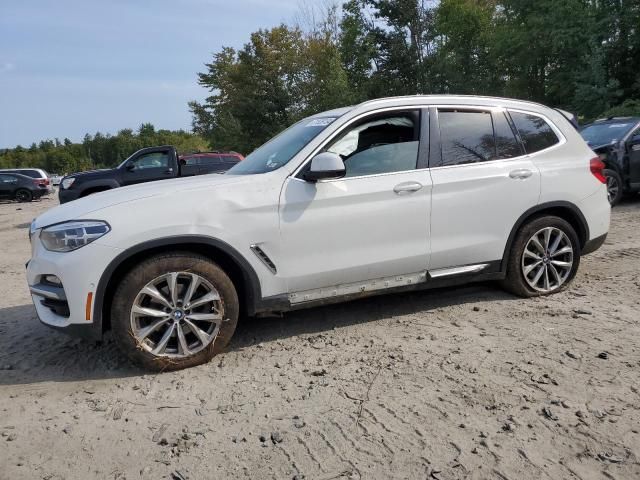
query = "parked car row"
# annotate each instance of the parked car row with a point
(390, 195)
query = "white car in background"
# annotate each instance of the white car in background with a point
(393, 194)
(56, 179)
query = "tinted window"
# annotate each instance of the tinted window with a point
(210, 161)
(466, 137)
(231, 158)
(30, 173)
(8, 179)
(189, 161)
(507, 146)
(536, 134)
(379, 145)
(152, 160)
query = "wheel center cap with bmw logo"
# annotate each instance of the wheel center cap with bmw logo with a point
(177, 315)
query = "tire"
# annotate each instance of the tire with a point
(517, 281)
(23, 195)
(614, 186)
(134, 298)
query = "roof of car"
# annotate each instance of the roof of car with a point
(410, 100)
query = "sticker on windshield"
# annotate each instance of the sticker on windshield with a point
(320, 122)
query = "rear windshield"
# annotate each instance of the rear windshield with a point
(599, 134)
(282, 148)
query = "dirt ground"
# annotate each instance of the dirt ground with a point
(448, 384)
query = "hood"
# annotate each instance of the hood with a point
(86, 208)
(89, 173)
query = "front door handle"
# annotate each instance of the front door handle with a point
(168, 170)
(520, 174)
(407, 187)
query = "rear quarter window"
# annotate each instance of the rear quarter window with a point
(30, 173)
(535, 132)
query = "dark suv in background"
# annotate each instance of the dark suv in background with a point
(146, 165)
(14, 186)
(617, 141)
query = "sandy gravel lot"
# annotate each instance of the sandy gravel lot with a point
(448, 384)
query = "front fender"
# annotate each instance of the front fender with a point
(121, 263)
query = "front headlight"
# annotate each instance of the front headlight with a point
(68, 236)
(67, 182)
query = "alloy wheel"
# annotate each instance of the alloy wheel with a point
(547, 259)
(176, 315)
(612, 188)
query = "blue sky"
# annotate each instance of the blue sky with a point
(71, 67)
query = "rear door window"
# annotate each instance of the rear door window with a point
(535, 132)
(8, 179)
(466, 136)
(507, 145)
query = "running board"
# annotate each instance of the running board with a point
(357, 288)
(446, 272)
(384, 283)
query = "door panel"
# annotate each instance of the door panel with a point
(482, 184)
(354, 229)
(475, 207)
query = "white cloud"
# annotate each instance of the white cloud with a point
(7, 67)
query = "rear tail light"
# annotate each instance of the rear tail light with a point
(597, 167)
(46, 181)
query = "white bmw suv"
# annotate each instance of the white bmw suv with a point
(389, 195)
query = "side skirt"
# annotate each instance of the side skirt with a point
(488, 271)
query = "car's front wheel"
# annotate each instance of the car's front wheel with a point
(173, 311)
(544, 257)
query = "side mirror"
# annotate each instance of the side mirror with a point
(325, 165)
(129, 166)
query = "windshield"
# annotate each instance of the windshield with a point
(282, 148)
(605, 133)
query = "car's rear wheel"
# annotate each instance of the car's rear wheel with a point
(614, 186)
(174, 311)
(24, 195)
(544, 257)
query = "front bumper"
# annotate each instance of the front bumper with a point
(68, 307)
(67, 195)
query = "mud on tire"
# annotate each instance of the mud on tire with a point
(137, 295)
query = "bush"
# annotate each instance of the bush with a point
(628, 108)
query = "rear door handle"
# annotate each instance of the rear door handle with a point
(520, 174)
(169, 170)
(407, 187)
